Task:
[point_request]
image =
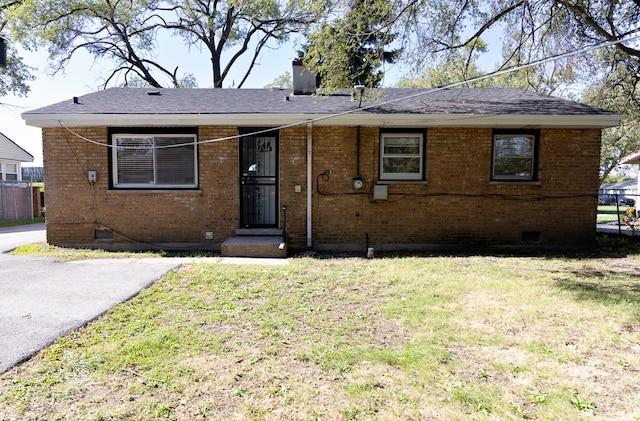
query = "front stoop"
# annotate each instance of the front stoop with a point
(255, 246)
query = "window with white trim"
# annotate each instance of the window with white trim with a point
(514, 156)
(10, 171)
(158, 161)
(402, 156)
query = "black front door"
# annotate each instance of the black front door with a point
(259, 181)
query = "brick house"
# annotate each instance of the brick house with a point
(392, 169)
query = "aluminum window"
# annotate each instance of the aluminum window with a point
(401, 156)
(514, 157)
(154, 161)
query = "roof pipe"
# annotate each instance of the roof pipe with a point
(309, 183)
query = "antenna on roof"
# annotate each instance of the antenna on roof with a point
(359, 88)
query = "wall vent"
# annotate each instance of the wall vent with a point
(531, 237)
(104, 235)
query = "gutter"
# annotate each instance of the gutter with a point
(532, 121)
(309, 183)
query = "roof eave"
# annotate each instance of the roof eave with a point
(345, 119)
(633, 158)
(21, 155)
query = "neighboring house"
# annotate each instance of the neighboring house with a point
(11, 158)
(16, 198)
(625, 192)
(390, 169)
(633, 159)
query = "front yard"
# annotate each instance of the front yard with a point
(609, 213)
(413, 338)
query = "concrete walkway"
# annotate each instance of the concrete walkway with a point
(612, 228)
(42, 299)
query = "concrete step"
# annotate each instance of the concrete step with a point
(259, 232)
(255, 246)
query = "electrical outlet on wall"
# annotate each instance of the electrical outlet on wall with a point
(208, 235)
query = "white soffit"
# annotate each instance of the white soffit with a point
(353, 119)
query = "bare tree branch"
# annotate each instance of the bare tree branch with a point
(593, 24)
(487, 25)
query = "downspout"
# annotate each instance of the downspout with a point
(309, 183)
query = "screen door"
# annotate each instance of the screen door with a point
(259, 181)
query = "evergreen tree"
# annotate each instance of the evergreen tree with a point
(352, 50)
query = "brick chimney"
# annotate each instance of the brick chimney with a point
(304, 79)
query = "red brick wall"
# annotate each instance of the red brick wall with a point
(75, 209)
(293, 172)
(458, 204)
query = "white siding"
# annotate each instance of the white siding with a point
(12, 152)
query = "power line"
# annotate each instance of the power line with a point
(604, 44)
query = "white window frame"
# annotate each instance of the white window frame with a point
(189, 139)
(532, 156)
(411, 176)
(4, 171)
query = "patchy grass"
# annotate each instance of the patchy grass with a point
(351, 339)
(69, 254)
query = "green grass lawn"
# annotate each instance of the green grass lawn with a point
(413, 338)
(13, 223)
(609, 213)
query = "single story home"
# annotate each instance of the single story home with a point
(241, 170)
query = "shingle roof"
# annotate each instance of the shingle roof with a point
(387, 104)
(270, 101)
(627, 184)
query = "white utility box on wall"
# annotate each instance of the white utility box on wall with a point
(380, 192)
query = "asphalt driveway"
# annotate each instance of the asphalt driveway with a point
(42, 299)
(13, 237)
